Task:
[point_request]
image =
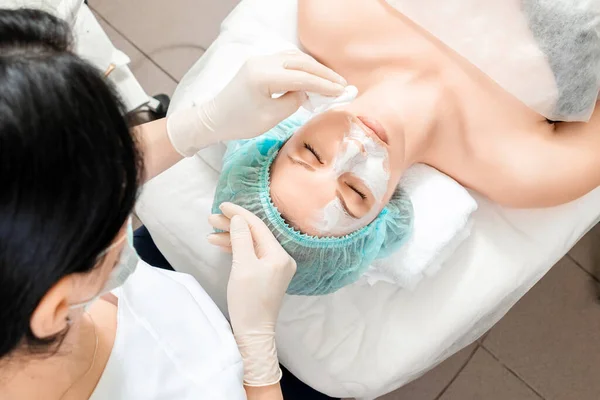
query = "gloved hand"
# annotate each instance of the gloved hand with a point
(261, 273)
(245, 107)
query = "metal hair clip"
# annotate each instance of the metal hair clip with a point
(109, 70)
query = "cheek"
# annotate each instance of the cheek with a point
(101, 273)
(111, 260)
(332, 220)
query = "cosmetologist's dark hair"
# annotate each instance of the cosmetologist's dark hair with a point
(69, 167)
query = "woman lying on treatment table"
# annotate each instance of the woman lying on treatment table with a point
(326, 191)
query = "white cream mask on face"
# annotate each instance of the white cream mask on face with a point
(335, 221)
(364, 158)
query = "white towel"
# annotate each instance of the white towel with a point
(442, 210)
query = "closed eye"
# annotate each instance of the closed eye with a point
(312, 150)
(358, 192)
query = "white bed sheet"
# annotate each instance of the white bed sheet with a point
(363, 341)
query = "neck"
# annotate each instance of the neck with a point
(32, 376)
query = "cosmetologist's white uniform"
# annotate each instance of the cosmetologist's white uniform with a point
(172, 342)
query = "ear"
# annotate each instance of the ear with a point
(50, 316)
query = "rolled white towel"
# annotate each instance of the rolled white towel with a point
(442, 210)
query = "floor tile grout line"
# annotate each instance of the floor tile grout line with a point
(512, 372)
(467, 361)
(135, 46)
(484, 336)
(594, 277)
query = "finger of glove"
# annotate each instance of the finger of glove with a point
(288, 80)
(242, 244)
(304, 62)
(219, 221)
(260, 232)
(219, 239)
(289, 103)
(226, 249)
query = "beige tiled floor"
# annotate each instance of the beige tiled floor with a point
(485, 378)
(172, 33)
(547, 347)
(150, 74)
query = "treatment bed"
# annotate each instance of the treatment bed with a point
(362, 341)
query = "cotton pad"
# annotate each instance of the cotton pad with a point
(317, 103)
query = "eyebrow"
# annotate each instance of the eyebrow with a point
(301, 163)
(344, 205)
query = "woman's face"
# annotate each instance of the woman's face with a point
(336, 173)
(92, 283)
(66, 298)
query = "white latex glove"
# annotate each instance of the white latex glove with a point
(260, 275)
(245, 108)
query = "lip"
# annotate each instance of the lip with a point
(375, 127)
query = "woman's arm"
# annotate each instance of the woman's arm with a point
(158, 151)
(272, 392)
(245, 108)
